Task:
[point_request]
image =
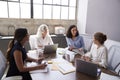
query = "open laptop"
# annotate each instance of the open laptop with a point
(87, 68)
(48, 49)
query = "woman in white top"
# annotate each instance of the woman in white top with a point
(42, 37)
(98, 52)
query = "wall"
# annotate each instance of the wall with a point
(31, 24)
(104, 16)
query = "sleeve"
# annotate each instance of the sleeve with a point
(82, 43)
(36, 43)
(103, 61)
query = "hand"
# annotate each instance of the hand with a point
(83, 57)
(39, 60)
(40, 46)
(80, 49)
(42, 66)
(70, 48)
(86, 58)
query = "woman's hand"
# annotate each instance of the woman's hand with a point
(39, 60)
(70, 48)
(80, 49)
(42, 66)
(40, 46)
(86, 58)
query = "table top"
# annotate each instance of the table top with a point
(57, 75)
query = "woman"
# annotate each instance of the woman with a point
(74, 40)
(98, 52)
(16, 56)
(43, 37)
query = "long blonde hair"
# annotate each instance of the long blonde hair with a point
(41, 29)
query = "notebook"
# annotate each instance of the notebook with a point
(63, 66)
(105, 76)
(87, 68)
(50, 48)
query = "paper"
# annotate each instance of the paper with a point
(63, 66)
(41, 70)
(36, 71)
(66, 68)
(105, 76)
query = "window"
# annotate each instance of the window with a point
(37, 1)
(3, 9)
(14, 10)
(13, 0)
(47, 12)
(38, 9)
(64, 12)
(25, 10)
(47, 1)
(56, 12)
(72, 3)
(71, 13)
(25, 1)
(56, 2)
(64, 2)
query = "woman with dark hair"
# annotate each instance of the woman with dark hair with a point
(16, 56)
(74, 40)
(98, 52)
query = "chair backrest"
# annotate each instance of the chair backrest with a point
(87, 41)
(108, 43)
(32, 41)
(59, 39)
(3, 64)
(113, 57)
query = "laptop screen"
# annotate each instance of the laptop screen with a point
(86, 67)
(50, 49)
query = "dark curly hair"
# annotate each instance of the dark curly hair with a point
(100, 37)
(69, 34)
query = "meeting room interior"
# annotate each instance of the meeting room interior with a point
(59, 40)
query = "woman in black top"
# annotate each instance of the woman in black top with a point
(16, 56)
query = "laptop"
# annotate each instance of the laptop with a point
(48, 49)
(87, 68)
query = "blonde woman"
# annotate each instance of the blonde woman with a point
(43, 37)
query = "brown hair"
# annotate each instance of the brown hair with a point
(100, 37)
(19, 34)
(69, 34)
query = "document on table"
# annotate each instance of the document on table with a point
(105, 76)
(36, 71)
(64, 66)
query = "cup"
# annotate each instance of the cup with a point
(39, 52)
